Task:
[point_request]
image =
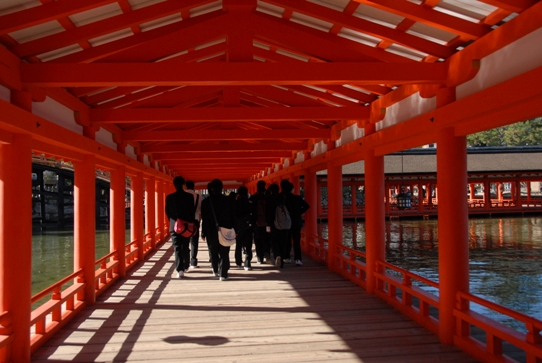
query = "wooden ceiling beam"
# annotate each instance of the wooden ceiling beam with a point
(45, 13)
(231, 146)
(248, 155)
(430, 16)
(103, 27)
(188, 135)
(239, 73)
(228, 114)
(366, 26)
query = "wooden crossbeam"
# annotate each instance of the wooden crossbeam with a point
(228, 74)
(227, 114)
(227, 135)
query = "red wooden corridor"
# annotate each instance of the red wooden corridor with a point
(248, 90)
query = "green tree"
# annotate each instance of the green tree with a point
(527, 133)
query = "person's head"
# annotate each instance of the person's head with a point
(178, 183)
(286, 186)
(273, 189)
(216, 186)
(210, 188)
(242, 191)
(261, 186)
(190, 185)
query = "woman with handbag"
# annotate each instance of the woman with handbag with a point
(218, 223)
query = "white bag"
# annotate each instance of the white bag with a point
(226, 236)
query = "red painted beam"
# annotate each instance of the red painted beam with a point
(249, 156)
(228, 114)
(232, 146)
(45, 13)
(230, 74)
(226, 135)
(103, 27)
(368, 27)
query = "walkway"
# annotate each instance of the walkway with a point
(299, 314)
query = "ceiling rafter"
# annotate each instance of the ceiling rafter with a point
(102, 27)
(239, 73)
(229, 146)
(45, 13)
(365, 26)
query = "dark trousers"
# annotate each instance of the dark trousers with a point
(220, 257)
(296, 239)
(243, 242)
(194, 241)
(181, 250)
(280, 244)
(261, 240)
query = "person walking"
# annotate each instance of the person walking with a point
(279, 236)
(259, 222)
(223, 208)
(180, 204)
(243, 217)
(298, 206)
(194, 240)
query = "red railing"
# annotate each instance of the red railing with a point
(530, 342)
(107, 272)
(147, 243)
(47, 319)
(5, 337)
(394, 285)
(130, 254)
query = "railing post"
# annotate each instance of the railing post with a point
(375, 217)
(453, 227)
(160, 210)
(16, 240)
(150, 210)
(84, 223)
(334, 213)
(136, 214)
(118, 216)
(311, 216)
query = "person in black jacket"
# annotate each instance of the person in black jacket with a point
(259, 222)
(180, 204)
(223, 208)
(298, 206)
(243, 219)
(279, 237)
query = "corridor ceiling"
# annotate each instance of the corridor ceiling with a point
(230, 88)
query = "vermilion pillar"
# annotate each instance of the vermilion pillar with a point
(335, 212)
(136, 213)
(150, 210)
(85, 223)
(311, 216)
(118, 216)
(16, 241)
(452, 227)
(375, 217)
(159, 204)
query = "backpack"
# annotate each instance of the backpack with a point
(282, 217)
(260, 213)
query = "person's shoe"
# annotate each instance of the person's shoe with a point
(286, 260)
(223, 279)
(248, 268)
(239, 265)
(193, 266)
(180, 274)
(298, 263)
(278, 262)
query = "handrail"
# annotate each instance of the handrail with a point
(104, 258)
(6, 336)
(407, 273)
(107, 272)
(495, 333)
(56, 286)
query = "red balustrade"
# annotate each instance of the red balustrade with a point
(63, 305)
(106, 273)
(5, 337)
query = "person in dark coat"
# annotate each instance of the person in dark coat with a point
(259, 222)
(298, 206)
(224, 210)
(243, 217)
(279, 237)
(180, 204)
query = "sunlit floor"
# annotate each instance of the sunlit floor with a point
(297, 314)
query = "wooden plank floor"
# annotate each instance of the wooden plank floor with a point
(298, 314)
